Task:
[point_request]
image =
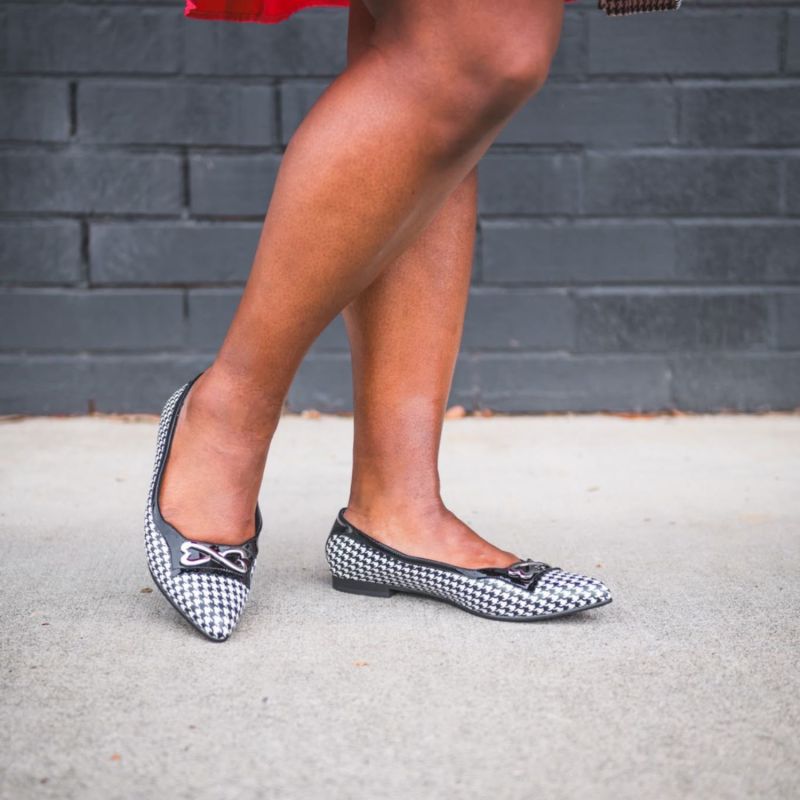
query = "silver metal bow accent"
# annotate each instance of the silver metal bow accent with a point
(205, 553)
(526, 570)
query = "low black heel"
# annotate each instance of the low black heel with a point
(361, 587)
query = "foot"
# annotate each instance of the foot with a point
(212, 477)
(434, 533)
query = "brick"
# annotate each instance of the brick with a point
(91, 39)
(171, 253)
(788, 319)
(232, 186)
(648, 321)
(477, 259)
(464, 388)
(312, 44)
(570, 58)
(77, 384)
(793, 43)
(576, 252)
(737, 382)
(90, 183)
(138, 384)
(323, 382)
(210, 314)
(178, 113)
(726, 43)
(738, 252)
(793, 186)
(681, 184)
(43, 385)
(542, 383)
(598, 115)
(34, 109)
(533, 320)
(740, 116)
(512, 183)
(40, 252)
(70, 321)
(297, 97)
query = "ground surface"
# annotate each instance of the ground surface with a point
(686, 686)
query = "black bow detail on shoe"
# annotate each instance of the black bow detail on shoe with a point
(198, 554)
(523, 573)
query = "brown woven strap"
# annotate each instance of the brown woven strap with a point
(616, 8)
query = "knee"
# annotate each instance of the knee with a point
(503, 80)
(482, 95)
(509, 60)
(480, 75)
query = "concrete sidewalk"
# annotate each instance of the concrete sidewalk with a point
(685, 687)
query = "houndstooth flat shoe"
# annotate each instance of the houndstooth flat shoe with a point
(208, 584)
(526, 591)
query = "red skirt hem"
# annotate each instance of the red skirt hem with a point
(226, 10)
(268, 11)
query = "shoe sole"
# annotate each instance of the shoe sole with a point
(387, 590)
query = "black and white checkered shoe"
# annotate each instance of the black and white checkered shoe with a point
(523, 592)
(208, 584)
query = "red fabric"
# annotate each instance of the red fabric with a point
(255, 10)
(252, 10)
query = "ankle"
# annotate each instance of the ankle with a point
(394, 511)
(220, 400)
(426, 530)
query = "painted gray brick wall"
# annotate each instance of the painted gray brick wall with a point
(639, 234)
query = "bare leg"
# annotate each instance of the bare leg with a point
(367, 170)
(405, 330)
